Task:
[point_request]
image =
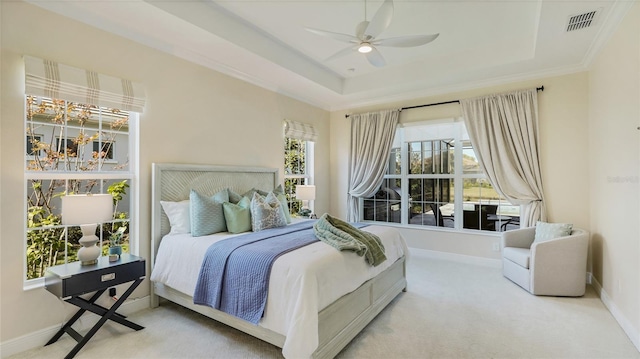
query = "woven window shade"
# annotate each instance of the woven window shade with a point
(300, 131)
(51, 79)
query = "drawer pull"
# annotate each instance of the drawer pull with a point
(110, 276)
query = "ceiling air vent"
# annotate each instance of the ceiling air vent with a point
(581, 21)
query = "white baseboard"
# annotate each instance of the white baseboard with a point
(624, 323)
(455, 257)
(41, 337)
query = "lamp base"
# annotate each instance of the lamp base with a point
(88, 254)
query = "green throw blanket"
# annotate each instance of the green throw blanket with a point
(345, 237)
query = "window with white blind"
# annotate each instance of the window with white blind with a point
(299, 141)
(70, 149)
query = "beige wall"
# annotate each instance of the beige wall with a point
(590, 158)
(590, 152)
(614, 159)
(192, 115)
(563, 115)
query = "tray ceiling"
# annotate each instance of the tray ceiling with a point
(265, 42)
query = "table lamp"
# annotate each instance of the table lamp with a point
(306, 193)
(87, 211)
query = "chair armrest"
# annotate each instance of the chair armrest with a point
(569, 251)
(560, 264)
(521, 238)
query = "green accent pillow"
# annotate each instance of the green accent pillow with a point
(207, 214)
(266, 212)
(262, 193)
(234, 197)
(249, 193)
(238, 216)
(285, 206)
(546, 231)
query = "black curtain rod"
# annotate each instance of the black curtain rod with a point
(541, 88)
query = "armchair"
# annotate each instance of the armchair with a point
(556, 267)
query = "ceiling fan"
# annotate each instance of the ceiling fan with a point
(365, 39)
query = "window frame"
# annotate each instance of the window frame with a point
(458, 177)
(131, 175)
(307, 177)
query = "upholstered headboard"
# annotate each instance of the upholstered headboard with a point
(173, 182)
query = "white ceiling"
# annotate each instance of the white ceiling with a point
(264, 42)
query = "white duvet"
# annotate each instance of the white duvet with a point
(302, 282)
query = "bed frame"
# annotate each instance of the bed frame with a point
(338, 323)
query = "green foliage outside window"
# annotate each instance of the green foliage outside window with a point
(48, 243)
(295, 169)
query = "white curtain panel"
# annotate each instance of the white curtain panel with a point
(371, 140)
(504, 132)
(58, 81)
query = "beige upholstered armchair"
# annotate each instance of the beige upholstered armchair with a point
(556, 267)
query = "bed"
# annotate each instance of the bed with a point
(321, 325)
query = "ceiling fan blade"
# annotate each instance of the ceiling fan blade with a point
(407, 41)
(334, 35)
(341, 53)
(381, 19)
(360, 29)
(375, 58)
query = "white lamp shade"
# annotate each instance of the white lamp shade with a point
(305, 192)
(87, 209)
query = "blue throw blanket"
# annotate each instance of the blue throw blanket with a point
(234, 276)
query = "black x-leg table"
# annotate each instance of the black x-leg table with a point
(69, 281)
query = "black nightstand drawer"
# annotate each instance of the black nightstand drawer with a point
(96, 280)
(67, 281)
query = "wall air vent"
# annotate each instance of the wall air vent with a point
(581, 21)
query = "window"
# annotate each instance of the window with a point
(105, 151)
(434, 174)
(298, 169)
(299, 141)
(63, 139)
(70, 147)
(32, 143)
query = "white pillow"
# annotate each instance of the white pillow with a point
(546, 231)
(179, 216)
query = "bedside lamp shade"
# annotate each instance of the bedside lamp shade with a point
(87, 211)
(305, 192)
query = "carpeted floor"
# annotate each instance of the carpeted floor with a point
(451, 310)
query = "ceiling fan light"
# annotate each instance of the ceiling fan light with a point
(365, 48)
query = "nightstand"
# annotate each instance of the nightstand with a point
(69, 281)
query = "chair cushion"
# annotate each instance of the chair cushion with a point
(520, 256)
